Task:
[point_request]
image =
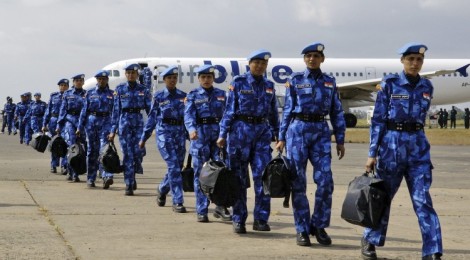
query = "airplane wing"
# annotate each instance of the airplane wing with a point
(364, 89)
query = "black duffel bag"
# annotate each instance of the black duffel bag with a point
(39, 141)
(57, 146)
(109, 158)
(76, 157)
(365, 201)
(219, 183)
(187, 174)
(277, 179)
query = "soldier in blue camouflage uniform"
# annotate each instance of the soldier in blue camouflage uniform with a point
(20, 112)
(166, 116)
(28, 132)
(311, 96)
(204, 109)
(249, 124)
(36, 113)
(130, 98)
(147, 78)
(95, 118)
(399, 149)
(50, 122)
(73, 101)
(8, 116)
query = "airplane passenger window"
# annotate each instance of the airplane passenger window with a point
(355, 74)
(349, 74)
(342, 74)
(360, 74)
(337, 74)
(115, 73)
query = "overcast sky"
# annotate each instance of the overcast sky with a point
(45, 40)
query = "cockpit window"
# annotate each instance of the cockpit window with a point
(116, 73)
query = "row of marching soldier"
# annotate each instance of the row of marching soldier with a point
(242, 123)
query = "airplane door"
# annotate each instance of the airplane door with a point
(370, 73)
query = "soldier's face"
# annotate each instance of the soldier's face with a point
(63, 87)
(412, 63)
(102, 81)
(78, 83)
(313, 60)
(37, 98)
(258, 67)
(23, 98)
(206, 80)
(132, 75)
(170, 81)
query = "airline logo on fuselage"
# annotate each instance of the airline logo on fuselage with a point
(278, 73)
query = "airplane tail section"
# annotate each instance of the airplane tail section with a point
(463, 70)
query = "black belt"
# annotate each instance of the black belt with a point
(407, 127)
(54, 115)
(251, 119)
(73, 112)
(131, 109)
(102, 114)
(208, 120)
(310, 117)
(172, 121)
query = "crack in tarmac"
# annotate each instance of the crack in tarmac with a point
(45, 213)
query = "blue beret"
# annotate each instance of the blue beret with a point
(133, 66)
(37, 94)
(63, 81)
(102, 74)
(28, 94)
(206, 69)
(170, 71)
(78, 76)
(314, 47)
(259, 55)
(413, 47)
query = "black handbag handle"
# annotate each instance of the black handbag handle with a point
(188, 161)
(370, 174)
(111, 144)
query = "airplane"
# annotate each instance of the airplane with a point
(356, 78)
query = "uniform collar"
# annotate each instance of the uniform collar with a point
(252, 79)
(167, 93)
(312, 74)
(404, 80)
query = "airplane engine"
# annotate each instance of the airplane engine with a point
(350, 119)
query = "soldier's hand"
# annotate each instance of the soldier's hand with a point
(193, 135)
(141, 145)
(370, 164)
(111, 137)
(44, 129)
(340, 151)
(280, 146)
(221, 142)
(77, 132)
(57, 130)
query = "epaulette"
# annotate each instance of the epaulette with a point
(327, 76)
(296, 74)
(54, 93)
(390, 76)
(239, 77)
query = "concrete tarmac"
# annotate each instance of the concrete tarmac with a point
(42, 216)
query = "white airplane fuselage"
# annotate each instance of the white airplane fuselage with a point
(448, 89)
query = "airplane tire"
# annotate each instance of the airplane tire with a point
(350, 119)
